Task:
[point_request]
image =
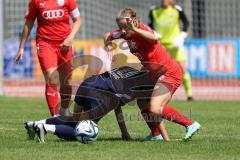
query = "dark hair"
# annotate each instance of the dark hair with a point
(131, 13)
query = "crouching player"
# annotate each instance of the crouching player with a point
(96, 97)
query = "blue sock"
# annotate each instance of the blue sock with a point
(62, 120)
(65, 132)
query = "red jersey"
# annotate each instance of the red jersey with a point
(52, 17)
(153, 56)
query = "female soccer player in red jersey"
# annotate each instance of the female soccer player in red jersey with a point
(54, 45)
(144, 44)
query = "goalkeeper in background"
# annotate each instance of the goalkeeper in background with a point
(165, 20)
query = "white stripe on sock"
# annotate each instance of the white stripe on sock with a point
(40, 122)
(50, 128)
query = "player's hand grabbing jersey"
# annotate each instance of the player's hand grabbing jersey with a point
(53, 18)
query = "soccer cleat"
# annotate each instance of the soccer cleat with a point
(41, 132)
(190, 98)
(29, 126)
(151, 137)
(191, 130)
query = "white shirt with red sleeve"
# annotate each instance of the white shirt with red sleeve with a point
(53, 18)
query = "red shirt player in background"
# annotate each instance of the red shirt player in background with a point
(54, 45)
(144, 44)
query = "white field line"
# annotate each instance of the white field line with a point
(105, 132)
(9, 129)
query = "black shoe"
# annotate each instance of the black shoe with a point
(41, 132)
(29, 126)
(190, 98)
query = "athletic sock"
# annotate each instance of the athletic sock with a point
(65, 132)
(40, 122)
(52, 98)
(187, 82)
(172, 115)
(148, 116)
(62, 120)
(49, 128)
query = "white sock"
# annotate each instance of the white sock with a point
(50, 128)
(40, 122)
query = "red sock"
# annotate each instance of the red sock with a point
(52, 98)
(172, 115)
(149, 119)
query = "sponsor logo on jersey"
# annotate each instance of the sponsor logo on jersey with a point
(53, 14)
(132, 44)
(170, 15)
(60, 2)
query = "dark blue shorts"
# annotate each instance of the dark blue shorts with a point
(97, 95)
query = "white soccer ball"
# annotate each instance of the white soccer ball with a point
(86, 131)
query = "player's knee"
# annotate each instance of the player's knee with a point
(52, 77)
(156, 108)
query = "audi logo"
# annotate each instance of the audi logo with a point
(51, 14)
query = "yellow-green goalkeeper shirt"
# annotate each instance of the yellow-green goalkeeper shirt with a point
(166, 21)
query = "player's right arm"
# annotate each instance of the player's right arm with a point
(179, 40)
(122, 124)
(25, 33)
(30, 18)
(109, 37)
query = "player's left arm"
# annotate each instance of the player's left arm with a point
(121, 123)
(151, 21)
(75, 15)
(183, 18)
(179, 40)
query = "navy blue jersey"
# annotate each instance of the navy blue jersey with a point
(100, 94)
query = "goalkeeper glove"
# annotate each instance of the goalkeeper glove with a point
(179, 40)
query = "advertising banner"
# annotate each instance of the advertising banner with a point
(213, 58)
(205, 58)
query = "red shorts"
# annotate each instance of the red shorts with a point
(50, 56)
(172, 78)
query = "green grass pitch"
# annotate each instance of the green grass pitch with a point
(218, 139)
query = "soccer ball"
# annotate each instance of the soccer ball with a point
(86, 131)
